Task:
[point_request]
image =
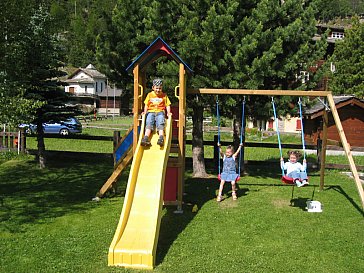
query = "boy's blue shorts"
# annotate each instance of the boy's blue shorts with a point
(155, 119)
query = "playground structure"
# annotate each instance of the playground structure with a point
(135, 240)
(155, 178)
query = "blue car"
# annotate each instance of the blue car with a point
(64, 128)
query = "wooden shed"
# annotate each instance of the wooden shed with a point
(351, 112)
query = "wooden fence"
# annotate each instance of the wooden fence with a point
(13, 141)
(9, 140)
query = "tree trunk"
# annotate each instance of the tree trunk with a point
(236, 132)
(198, 155)
(41, 147)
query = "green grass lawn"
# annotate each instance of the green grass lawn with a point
(48, 222)
(108, 126)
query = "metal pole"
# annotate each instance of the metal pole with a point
(114, 103)
(107, 96)
(19, 142)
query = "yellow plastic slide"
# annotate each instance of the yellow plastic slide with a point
(135, 241)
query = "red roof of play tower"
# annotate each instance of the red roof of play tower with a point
(155, 50)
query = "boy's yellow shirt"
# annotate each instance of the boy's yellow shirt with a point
(156, 103)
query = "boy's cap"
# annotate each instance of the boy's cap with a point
(157, 82)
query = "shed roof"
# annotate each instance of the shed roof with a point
(155, 50)
(317, 109)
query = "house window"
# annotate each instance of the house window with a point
(85, 88)
(304, 76)
(96, 87)
(337, 35)
(101, 88)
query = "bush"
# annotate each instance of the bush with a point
(10, 155)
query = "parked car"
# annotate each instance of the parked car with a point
(66, 127)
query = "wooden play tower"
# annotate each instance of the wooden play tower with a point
(176, 164)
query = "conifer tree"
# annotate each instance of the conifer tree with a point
(232, 44)
(348, 77)
(14, 108)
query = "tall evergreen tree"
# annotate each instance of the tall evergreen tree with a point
(348, 77)
(332, 9)
(41, 71)
(251, 44)
(88, 20)
(14, 108)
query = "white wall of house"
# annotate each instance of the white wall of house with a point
(290, 124)
(91, 86)
(110, 111)
(260, 124)
(287, 125)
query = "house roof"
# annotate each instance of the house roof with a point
(81, 80)
(318, 108)
(109, 92)
(155, 50)
(89, 70)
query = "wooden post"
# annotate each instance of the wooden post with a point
(7, 137)
(115, 142)
(181, 134)
(325, 122)
(23, 144)
(318, 151)
(346, 147)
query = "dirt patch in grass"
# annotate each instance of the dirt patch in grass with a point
(280, 203)
(228, 202)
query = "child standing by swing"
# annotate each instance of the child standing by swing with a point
(228, 170)
(295, 169)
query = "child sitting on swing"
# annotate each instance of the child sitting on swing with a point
(295, 169)
(228, 170)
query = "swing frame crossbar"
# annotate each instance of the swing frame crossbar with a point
(328, 95)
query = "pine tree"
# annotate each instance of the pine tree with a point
(14, 108)
(232, 44)
(348, 77)
(40, 72)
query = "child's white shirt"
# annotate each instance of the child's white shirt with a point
(234, 157)
(291, 167)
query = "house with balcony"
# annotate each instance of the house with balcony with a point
(85, 85)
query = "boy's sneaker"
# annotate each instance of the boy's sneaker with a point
(145, 141)
(234, 196)
(219, 198)
(298, 183)
(304, 183)
(160, 141)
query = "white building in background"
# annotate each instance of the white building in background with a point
(86, 82)
(89, 90)
(286, 124)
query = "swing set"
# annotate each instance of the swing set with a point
(330, 100)
(285, 178)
